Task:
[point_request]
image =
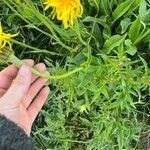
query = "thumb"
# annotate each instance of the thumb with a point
(19, 86)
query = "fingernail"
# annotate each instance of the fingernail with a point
(24, 70)
(47, 89)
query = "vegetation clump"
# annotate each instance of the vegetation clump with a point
(105, 104)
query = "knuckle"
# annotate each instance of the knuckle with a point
(43, 95)
(19, 81)
(2, 92)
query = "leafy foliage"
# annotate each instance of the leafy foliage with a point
(106, 105)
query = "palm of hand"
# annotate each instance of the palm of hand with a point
(21, 100)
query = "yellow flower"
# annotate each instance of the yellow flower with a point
(65, 10)
(82, 108)
(5, 38)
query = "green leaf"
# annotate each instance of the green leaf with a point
(120, 138)
(86, 122)
(98, 37)
(105, 6)
(134, 6)
(131, 48)
(142, 36)
(105, 92)
(145, 65)
(125, 24)
(113, 42)
(10, 19)
(143, 10)
(101, 21)
(122, 9)
(92, 87)
(134, 30)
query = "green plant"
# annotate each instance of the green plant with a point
(106, 105)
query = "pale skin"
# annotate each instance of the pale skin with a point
(22, 94)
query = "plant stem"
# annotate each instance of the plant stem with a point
(35, 49)
(13, 59)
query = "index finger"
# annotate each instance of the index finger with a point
(8, 74)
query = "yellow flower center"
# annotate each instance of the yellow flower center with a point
(65, 10)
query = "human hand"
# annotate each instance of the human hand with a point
(22, 94)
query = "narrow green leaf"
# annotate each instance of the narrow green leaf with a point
(113, 42)
(122, 9)
(105, 7)
(143, 10)
(134, 6)
(120, 138)
(98, 37)
(134, 30)
(86, 122)
(105, 92)
(142, 36)
(145, 65)
(131, 48)
(125, 24)
(101, 21)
